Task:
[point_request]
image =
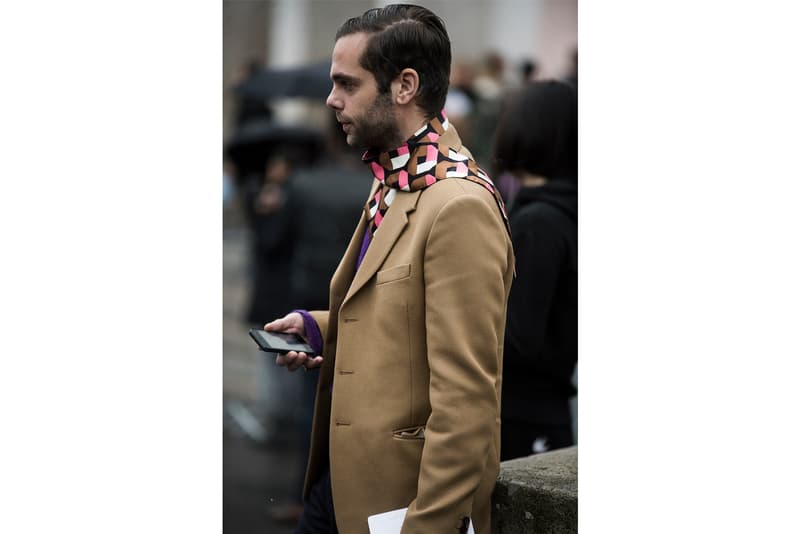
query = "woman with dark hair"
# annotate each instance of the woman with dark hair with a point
(537, 142)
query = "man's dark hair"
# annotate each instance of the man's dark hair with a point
(538, 132)
(405, 36)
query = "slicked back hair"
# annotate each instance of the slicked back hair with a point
(405, 36)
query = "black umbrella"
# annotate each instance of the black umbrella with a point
(308, 81)
(256, 140)
(260, 131)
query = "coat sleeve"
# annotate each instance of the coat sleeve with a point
(321, 318)
(466, 261)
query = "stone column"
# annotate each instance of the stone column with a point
(288, 46)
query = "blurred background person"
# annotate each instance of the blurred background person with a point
(489, 86)
(261, 157)
(537, 141)
(273, 241)
(460, 106)
(331, 190)
(269, 212)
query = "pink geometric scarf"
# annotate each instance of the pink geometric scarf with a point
(418, 163)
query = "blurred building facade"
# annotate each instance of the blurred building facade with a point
(291, 32)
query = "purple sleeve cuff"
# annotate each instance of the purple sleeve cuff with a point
(313, 335)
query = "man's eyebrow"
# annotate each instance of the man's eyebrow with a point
(343, 78)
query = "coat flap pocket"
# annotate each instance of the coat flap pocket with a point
(394, 273)
(413, 432)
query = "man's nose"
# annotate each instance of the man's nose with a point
(332, 101)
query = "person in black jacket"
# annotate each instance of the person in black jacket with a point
(537, 141)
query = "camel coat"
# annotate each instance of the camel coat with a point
(408, 402)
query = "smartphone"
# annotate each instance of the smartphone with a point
(280, 342)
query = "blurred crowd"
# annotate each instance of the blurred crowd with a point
(521, 129)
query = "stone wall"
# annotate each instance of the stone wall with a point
(537, 494)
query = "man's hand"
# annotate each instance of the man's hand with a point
(293, 324)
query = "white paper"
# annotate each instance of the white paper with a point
(391, 522)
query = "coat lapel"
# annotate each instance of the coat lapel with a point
(384, 239)
(343, 276)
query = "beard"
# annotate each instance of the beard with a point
(377, 128)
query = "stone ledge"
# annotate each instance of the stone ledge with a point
(537, 494)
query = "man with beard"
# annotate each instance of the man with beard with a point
(408, 401)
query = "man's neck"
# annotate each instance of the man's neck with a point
(409, 123)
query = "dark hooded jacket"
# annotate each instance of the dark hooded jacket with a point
(541, 343)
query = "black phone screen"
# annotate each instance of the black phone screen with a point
(280, 342)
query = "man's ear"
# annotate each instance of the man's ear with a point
(406, 86)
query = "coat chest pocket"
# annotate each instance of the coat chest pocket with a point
(412, 433)
(393, 274)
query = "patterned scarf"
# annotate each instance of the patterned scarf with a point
(418, 163)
